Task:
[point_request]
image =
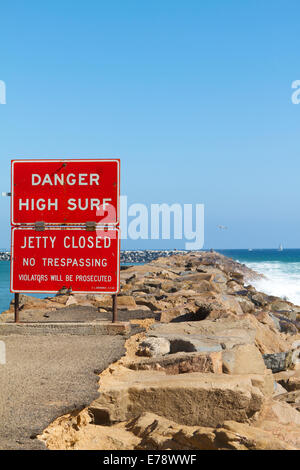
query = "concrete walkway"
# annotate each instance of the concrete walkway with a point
(47, 376)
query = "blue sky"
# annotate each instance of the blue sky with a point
(194, 97)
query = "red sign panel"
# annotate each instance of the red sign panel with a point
(75, 260)
(65, 191)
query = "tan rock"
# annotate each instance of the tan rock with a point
(239, 436)
(126, 302)
(60, 299)
(156, 283)
(168, 285)
(157, 433)
(71, 301)
(234, 331)
(152, 432)
(220, 305)
(205, 286)
(291, 398)
(279, 411)
(280, 305)
(268, 340)
(170, 313)
(246, 305)
(152, 347)
(233, 286)
(279, 390)
(236, 276)
(192, 399)
(285, 413)
(28, 302)
(281, 420)
(198, 277)
(264, 382)
(149, 301)
(243, 359)
(182, 363)
(289, 379)
(294, 382)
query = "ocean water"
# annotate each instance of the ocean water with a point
(281, 270)
(5, 295)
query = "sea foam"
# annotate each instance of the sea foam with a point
(281, 279)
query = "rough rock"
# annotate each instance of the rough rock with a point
(246, 305)
(278, 389)
(71, 301)
(28, 302)
(192, 399)
(189, 343)
(242, 330)
(103, 301)
(157, 433)
(149, 301)
(243, 359)
(282, 410)
(277, 362)
(154, 347)
(289, 379)
(126, 302)
(292, 398)
(182, 363)
(238, 436)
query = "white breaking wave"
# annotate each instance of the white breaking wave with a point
(282, 279)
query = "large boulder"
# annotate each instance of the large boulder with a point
(126, 302)
(223, 331)
(193, 399)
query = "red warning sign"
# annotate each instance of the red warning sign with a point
(65, 192)
(72, 259)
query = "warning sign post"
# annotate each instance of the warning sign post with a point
(65, 227)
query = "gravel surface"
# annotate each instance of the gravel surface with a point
(46, 377)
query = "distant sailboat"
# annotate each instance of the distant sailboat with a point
(280, 247)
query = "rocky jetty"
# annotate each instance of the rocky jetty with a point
(216, 364)
(145, 256)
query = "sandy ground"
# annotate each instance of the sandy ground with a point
(46, 377)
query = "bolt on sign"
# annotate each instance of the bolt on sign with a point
(65, 192)
(70, 260)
